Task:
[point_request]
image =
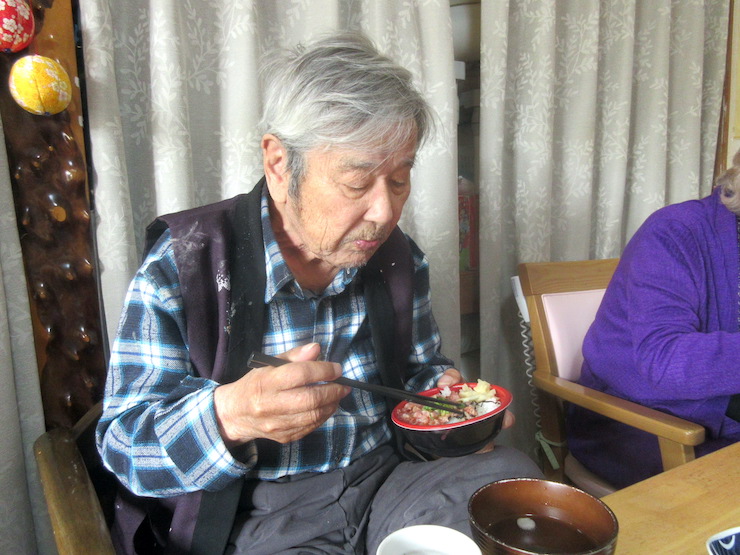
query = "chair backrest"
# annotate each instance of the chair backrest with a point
(562, 299)
(569, 315)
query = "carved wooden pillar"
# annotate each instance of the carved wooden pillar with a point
(47, 161)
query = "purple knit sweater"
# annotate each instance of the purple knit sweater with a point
(666, 336)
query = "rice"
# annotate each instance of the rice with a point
(481, 408)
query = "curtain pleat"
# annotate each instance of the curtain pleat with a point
(24, 522)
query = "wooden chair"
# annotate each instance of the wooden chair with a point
(562, 299)
(77, 487)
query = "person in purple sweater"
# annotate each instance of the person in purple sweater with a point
(667, 335)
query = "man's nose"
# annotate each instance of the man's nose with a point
(382, 204)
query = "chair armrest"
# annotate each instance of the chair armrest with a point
(76, 516)
(643, 418)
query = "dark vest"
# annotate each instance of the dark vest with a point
(225, 240)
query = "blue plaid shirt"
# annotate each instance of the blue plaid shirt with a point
(159, 433)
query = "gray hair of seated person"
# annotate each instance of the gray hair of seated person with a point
(339, 92)
(730, 183)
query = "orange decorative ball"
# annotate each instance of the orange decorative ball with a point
(16, 25)
(40, 85)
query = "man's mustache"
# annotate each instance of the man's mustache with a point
(375, 235)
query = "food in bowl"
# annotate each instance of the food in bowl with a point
(477, 401)
(455, 438)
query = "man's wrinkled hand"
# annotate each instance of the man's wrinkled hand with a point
(282, 403)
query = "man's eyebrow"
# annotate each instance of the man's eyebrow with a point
(357, 165)
(349, 165)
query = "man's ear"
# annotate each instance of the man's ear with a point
(275, 164)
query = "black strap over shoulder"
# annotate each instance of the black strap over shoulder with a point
(232, 230)
(248, 282)
(389, 294)
(217, 509)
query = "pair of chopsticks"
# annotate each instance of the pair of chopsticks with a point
(258, 360)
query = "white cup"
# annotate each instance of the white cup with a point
(427, 539)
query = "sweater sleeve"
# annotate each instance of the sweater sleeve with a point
(158, 433)
(681, 312)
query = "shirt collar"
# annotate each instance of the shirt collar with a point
(279, 277)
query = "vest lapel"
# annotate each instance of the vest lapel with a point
(247, 279)
(388, 286)
(247, 285)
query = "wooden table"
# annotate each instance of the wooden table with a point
(676, 511)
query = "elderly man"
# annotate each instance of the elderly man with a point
(310, 266)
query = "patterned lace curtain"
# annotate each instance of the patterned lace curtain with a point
(174, 102)
(24, 522)
(593, 115)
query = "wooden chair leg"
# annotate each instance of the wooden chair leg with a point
(553, 436)
(674, 454)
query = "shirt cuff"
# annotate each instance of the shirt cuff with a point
(237, 460)
(201, 449)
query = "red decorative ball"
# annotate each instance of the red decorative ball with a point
(16, 25)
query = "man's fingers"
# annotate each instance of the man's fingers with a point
(293, 375)
(309, 351)
(509, 419)
(451, 377)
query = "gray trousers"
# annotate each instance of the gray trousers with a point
(351, 510)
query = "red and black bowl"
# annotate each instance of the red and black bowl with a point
(459, 438)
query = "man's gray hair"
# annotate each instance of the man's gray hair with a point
(730, 183)
(339, 91)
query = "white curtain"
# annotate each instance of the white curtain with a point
(174, 102)
(24, 522)
(594, 113)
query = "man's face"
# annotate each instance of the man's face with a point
(348, 203)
